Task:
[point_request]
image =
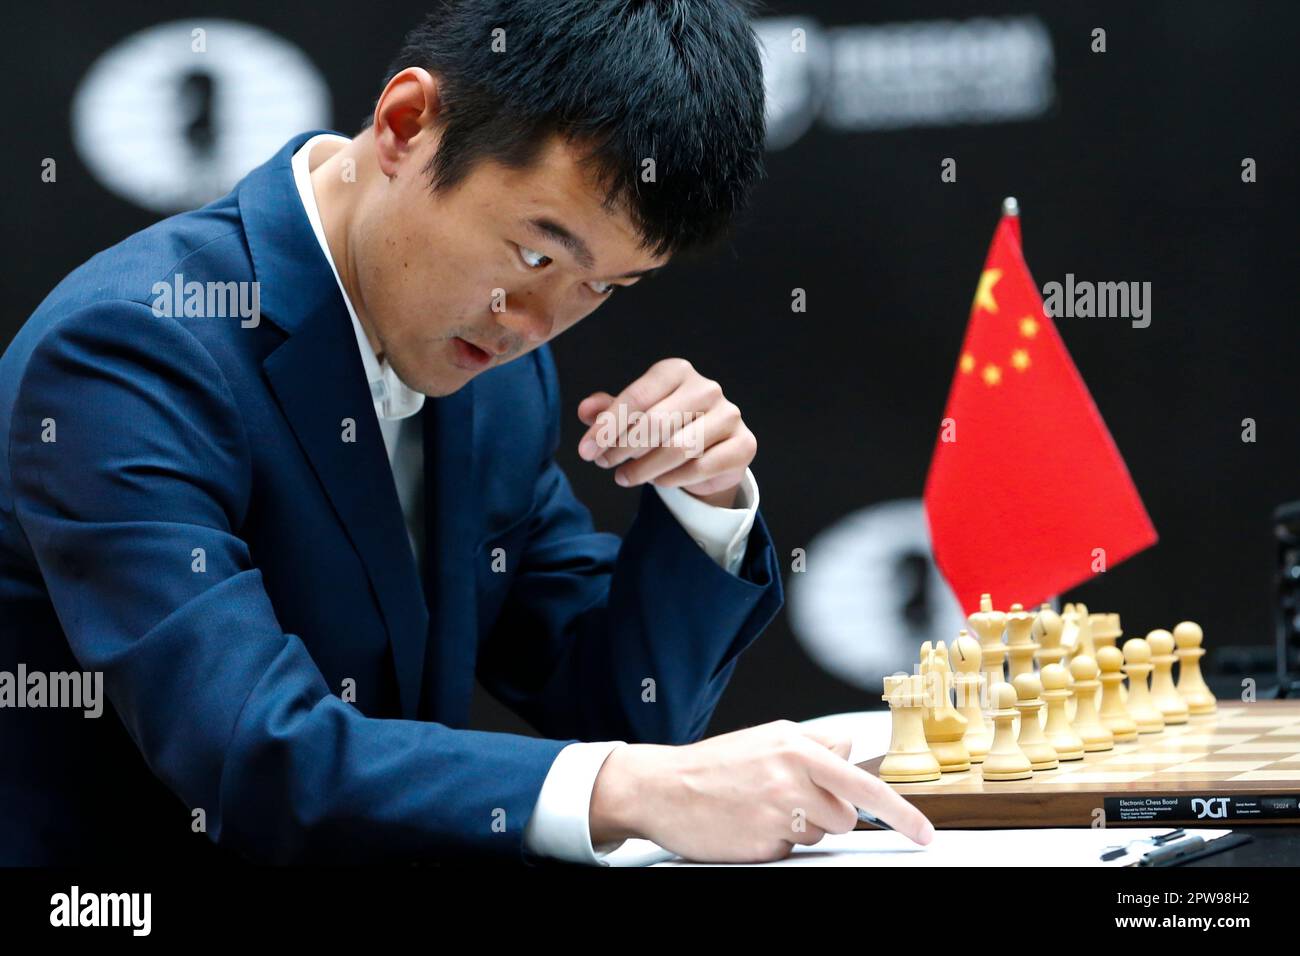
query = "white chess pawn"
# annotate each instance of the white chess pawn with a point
(1096, 735)
(909, 759)
(968, 685)
(1164, 694)
(944, 726)
(1137, 665)
(1005, 760)
(988, 626)
(1113, 712)
(1056, 692)
(1191, 683)
(1020, 642)
(1041, 754)
(1106, 632)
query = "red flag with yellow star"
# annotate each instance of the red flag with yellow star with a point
(1027, 494)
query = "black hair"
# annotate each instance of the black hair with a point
(679, 82)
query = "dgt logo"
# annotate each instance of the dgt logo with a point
(1215, 807)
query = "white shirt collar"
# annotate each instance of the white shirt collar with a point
(393, 399)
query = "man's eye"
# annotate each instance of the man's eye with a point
(601, 288)
(533, 259)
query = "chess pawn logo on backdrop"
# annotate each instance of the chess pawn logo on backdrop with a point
(1057, 693)
(1191, 683)
(1137, 665)
(1005, 760)
(1096, 736)
(968, 684)
(1164, 694)
(1113, 712)
(1034, 744)
(1020, 642)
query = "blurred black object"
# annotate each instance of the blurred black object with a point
(1286, 526)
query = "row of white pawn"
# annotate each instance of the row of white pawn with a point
(1088, 707)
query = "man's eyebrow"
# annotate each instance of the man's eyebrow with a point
(580, 250)
(575, 244)
(639, 273)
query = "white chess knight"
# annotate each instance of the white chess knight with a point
(969, 688)
(1047, 633)
(944, 725)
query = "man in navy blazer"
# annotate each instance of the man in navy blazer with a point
(278, 475)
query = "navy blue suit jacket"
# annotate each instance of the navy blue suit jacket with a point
(224, 667)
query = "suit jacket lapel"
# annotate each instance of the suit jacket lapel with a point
(319, 380)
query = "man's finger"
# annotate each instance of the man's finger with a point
(689, 443)
(593, 405)
(722, 466)
(872, 794)
(673, 416)
(662, 378)
(838, 743)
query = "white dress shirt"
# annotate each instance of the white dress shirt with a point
(560, 824)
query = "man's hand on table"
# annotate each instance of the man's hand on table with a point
(740, 797)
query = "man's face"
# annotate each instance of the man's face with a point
(456, 282)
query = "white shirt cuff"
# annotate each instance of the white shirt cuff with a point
(723, 533)
(560, 826)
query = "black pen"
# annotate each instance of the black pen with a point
(1171, 852)
(865, 817)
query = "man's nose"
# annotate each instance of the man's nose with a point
(527, 317)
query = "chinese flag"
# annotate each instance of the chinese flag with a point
(1027, 494)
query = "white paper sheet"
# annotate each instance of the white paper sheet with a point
(1032, 848)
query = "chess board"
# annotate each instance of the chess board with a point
(1238, 766)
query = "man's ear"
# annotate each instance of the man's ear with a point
(404, 116)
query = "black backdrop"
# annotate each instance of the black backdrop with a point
(1131, 172)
